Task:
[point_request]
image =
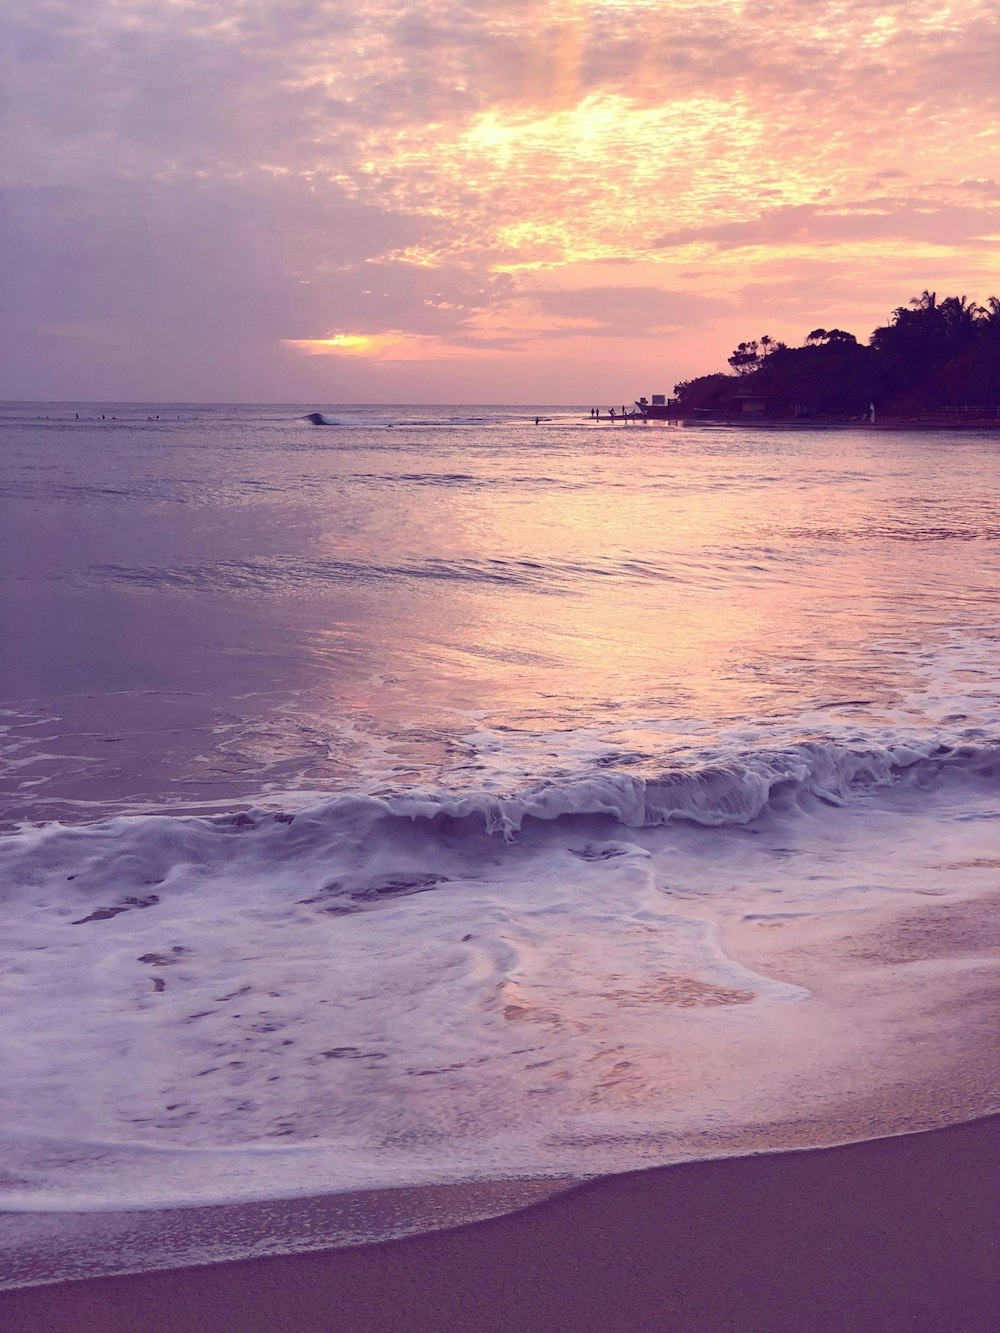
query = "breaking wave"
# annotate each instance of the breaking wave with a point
(774, 783)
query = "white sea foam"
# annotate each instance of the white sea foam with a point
(395, 990)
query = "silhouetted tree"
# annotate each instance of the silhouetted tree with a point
(746, 358)
(931, 354)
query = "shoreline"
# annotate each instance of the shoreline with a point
(890, 1233)
(974, 426)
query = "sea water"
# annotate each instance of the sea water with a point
(428, 796)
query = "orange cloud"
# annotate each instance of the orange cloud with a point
(424, 181)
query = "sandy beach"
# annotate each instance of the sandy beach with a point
(887, 1235)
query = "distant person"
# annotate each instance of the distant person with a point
(537, 420)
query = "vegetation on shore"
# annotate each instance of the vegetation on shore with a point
(932, 357)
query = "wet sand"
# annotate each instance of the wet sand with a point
(894, 1234)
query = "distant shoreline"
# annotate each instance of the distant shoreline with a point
(980, 425)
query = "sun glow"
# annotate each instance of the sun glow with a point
(352, 344)
(394, 345)
(522, 187)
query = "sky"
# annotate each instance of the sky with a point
(463, 201)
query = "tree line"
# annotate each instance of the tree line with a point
(932, 356)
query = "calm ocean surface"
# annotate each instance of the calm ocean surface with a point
(432, 797)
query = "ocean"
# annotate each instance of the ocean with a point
(438, 804)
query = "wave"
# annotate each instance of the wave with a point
(348, 420)
(553, 577)
(775, 784)
(320, 419)
(738, 791)
(369, 419)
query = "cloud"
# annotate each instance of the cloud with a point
(192, 179)
(990, 188)
(864, 222)
(617, 311)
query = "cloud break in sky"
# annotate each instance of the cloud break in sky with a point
(565, 201)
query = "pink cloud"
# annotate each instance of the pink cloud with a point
(199, 182)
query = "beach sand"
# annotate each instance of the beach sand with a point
(893, 1234)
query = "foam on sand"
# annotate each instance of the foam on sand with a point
(592, 975)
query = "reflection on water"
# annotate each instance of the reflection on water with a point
(212, 609)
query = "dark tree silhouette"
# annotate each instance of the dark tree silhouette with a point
(931, 356)
(746, 358)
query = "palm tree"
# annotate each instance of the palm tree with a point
(989, 317)
(960, 317)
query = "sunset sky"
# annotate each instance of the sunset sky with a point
(464, 201)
